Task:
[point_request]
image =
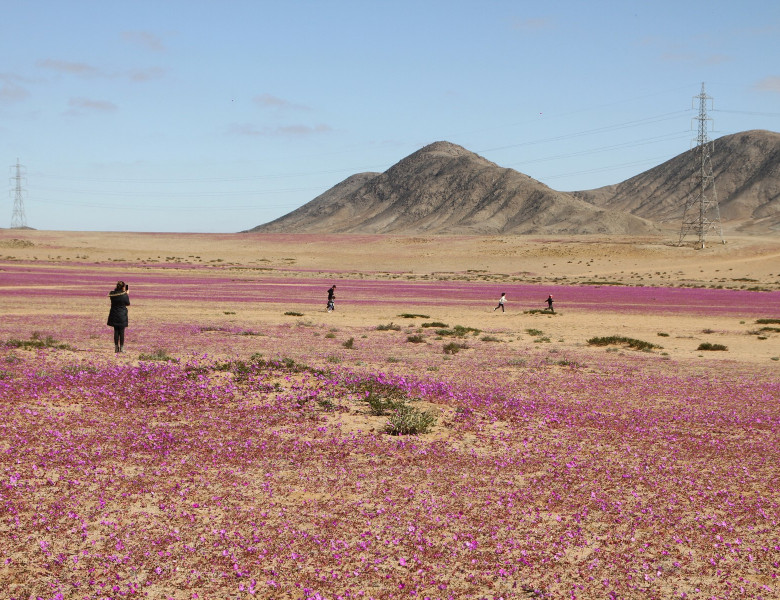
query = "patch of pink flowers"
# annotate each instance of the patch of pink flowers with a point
(250, 467)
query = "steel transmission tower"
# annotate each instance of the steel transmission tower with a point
(18, 220)
(701, 214)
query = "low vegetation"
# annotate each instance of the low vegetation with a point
(619, 340)
(408, 420)
(458, 331)
(36, 342)
(709, 346)
(454, 347)
(160, 355)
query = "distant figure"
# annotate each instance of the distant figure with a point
(117, 316)
(331, 298)
(550, 303)
(501, 301)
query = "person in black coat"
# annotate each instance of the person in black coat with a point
(117, 316)
(331, 298)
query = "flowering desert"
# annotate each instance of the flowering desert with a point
(413, 443)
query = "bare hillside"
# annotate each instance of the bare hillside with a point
(747, 182)
(444, 188)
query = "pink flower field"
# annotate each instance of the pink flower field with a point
(216, 460)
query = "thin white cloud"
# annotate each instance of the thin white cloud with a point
(768, 84)
(81, 106)
(10, 90)
(303, 129)
(68, 67)
(85, 70)
(144, 39)
(149, 74)
(271, 101)
(678, 57)
(285, 130)
(717, 59)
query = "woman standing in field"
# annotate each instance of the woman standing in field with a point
(117, 316)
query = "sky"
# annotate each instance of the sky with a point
(217, 116)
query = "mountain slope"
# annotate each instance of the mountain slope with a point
(746, 167)
(444, 188)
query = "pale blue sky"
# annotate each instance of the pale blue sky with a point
(216, 116)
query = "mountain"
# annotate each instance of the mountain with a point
(444, 188)
(746, 167)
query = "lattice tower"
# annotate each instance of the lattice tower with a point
(701, 214)
(18, 218)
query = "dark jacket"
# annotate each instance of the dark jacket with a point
(117, 316)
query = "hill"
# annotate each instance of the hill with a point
(445, 189)
(747, 182)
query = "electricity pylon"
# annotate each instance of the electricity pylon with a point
(18, 219)
(701, 214)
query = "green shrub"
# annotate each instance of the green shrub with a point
(349, 343)
(407, 420)
(434, 324)
(389, 327)
(379, 405)
(159, 354)
(620, 340)
(326, 405)
(330, 335)
(292, 313)
(489, 338)
(415, 339)
(454, 347)
(36, 341)
(413, 316)
(708, 346)
(78, 369)
(458, 331)
(768, 321)
(662, 334)
(534, 332)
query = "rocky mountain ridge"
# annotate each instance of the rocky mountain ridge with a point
(445, 189)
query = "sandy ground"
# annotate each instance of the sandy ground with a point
(742, 263)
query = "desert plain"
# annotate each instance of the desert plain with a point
(248, 443)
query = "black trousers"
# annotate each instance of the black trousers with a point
(119, 336)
